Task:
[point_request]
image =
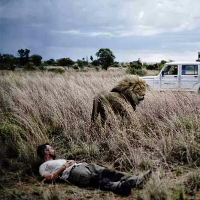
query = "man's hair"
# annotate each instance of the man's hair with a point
(41, 150)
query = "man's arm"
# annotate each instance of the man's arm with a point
(52, 176)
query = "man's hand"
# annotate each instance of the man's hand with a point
(69, 163)
(62, 168)
(49, 176)
(54, 176)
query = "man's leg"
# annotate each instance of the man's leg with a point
(115, 176)
(134, 181)
(109, 180)
(104, 172)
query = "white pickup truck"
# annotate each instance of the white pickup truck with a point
(177, 76)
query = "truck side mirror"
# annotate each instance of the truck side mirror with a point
(163, 73)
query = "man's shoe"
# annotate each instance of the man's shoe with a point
(131, 179)
(141, 180)
(138, 181)
(124, 188)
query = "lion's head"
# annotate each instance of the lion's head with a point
(132, 87)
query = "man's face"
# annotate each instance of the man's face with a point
(50, 150)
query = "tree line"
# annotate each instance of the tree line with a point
(104, 59)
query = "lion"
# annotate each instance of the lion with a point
(126, 95)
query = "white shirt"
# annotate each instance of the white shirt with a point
(52, 166)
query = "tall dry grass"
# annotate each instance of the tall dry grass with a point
(46, 107)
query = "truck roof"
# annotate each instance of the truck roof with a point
(184, 62)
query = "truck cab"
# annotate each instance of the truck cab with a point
(176, 76)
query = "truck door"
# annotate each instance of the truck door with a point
(169, 77)
(189, 76)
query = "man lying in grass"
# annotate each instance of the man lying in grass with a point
(85, 175)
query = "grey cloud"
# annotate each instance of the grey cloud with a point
(69, 26)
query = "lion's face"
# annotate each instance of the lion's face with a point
(132, 86)
(139, 90)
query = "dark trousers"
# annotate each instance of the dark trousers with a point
(97, 176)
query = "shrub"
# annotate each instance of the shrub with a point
(140, 72)
(81, 63)
(116, 64)
(59, 70)
(152, 66)
(178, 193)
(9, 136)
(158, 190)
(97, 68)
(193, 183)
(65, 62)
(95, 63)
(156, 66)
(136, 67)
(50, 62)
(30, 67)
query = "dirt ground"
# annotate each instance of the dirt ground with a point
(32, 189)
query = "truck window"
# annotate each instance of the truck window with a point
(171, 70)
(189, 69)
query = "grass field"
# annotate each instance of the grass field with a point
(163, 135)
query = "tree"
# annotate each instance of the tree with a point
(163, 62)
(91, 58)
(7, 62)
(6, 58)
(23, 56)
(36, 59)
(105, 57)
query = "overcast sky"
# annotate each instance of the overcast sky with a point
(148, 29)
